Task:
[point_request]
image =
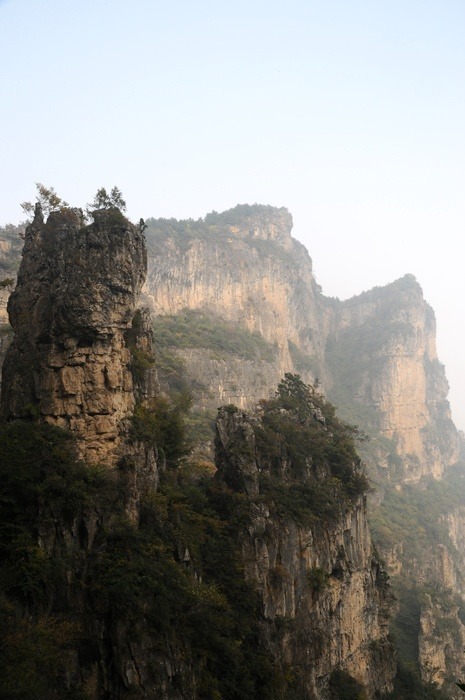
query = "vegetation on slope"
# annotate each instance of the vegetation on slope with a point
(176, 578)
(218, 229)
(132, 575)
(196, 329)
(12, 244)
(299, 426)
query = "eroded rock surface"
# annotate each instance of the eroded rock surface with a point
(75, 299)
(375, 354)
(326, 601)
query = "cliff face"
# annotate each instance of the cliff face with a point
(381, 354)
(442, 618)
(247, 269)
(74, 302)
(326, 603)
(74, 364)
(141, 565)
(374, 354)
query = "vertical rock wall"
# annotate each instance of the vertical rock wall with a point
(375, 352)
(74, 302)
(381, 354)
(326, 602)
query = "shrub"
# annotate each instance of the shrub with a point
(342, 686)
(317, 579)
(159, 423)
(308, 456)
(196, 329)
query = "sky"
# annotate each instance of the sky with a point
(349, 113)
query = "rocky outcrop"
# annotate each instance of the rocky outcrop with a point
(72, 308)
(326, 601)
(442, 618)
(74, 362)
(246, 268)
(374, 354)
(381, 355)
(441, 644)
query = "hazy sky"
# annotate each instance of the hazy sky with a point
(351, 114)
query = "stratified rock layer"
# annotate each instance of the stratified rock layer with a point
(74, 302)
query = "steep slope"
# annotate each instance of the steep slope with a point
(125, 567)
(306, 546)
(382, 360)
(374, 354)
(74, 301)
(244, 267)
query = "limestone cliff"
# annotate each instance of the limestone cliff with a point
(74, 302)
(381, 356)
(374, 354)
(245, 267)
(326, 602)
(137, 577)
(71, 364)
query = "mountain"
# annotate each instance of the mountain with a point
(242, 274)
(129, 565)
(235, 306)
(374, 354)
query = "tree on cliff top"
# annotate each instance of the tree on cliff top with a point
(103, 200)
(48, 199)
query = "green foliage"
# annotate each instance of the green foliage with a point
(200, 426)
(298, 426)
(412, 516)
(178, 575)
(406, 624)
(343, 687)
(41, 482)
(215, 231)
(45, 492)
(195, 329)
(47, 198)
(160, 424)
(302, 361)
(141, 361)
(104, 200)
(13, 238)
(7, 282)
(33, 653)
(318, 579)
(240, 214)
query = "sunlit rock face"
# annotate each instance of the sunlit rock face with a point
(74, 302)
(374, 354)
(249, 270)
(381, 354)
